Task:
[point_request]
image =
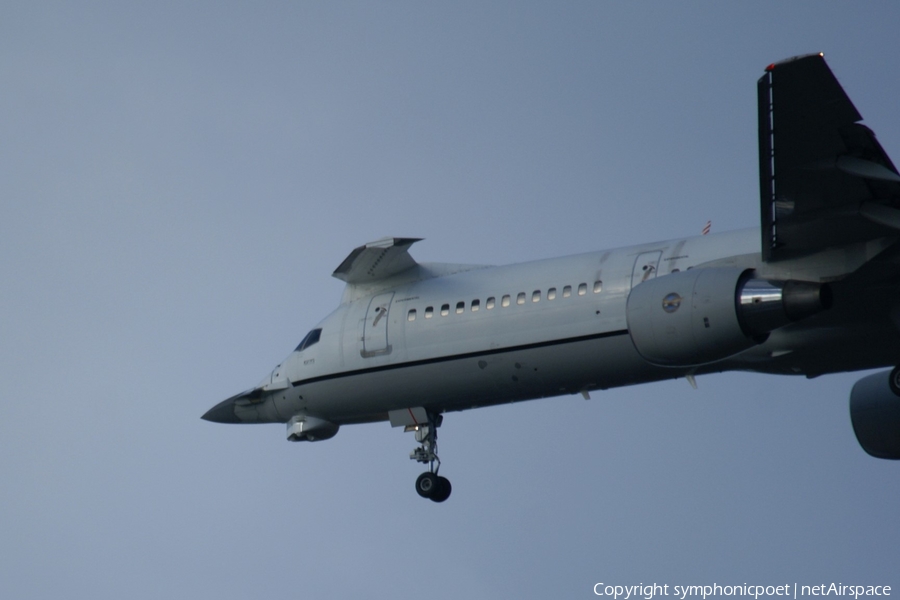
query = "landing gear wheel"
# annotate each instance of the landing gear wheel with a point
(894, 381)
(428, 484)
(442, 492)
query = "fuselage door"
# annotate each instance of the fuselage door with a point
(375, 327)
(645, 267)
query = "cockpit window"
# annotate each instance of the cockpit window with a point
(311, 338)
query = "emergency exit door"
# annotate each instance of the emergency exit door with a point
(375, 340)
(645, 267)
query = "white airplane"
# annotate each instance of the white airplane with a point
(814, 291)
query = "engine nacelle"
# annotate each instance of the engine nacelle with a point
(304, 428)
(875, 414)
(701, 316)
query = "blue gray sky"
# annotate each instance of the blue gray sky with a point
(180, 179)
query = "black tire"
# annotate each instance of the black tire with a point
(894, 381)
(443, 490)
(427, 484)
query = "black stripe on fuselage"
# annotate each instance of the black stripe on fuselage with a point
(452, 357)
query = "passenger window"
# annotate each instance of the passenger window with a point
(445, 310)
(520, 299)
(411, 316)
(490, 303)
(582, 289)
(567, 291)
(551, 294)
(311, 338)
(460, 307)
(598, 285)
(536, 296)
(476, 304)
(429, 312)
(505, 302)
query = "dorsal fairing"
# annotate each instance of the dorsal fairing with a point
(386, 264)
(377, 260)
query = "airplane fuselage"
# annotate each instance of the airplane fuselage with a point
(449, 337)
(812, 291)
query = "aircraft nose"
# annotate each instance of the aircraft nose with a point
(223, 412)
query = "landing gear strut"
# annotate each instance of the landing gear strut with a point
(429, 484)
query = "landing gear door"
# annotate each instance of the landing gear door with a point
(375, 327)
(645, 267)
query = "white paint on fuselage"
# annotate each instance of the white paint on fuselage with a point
(488, 356)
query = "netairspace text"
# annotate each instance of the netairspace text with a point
(790, 590)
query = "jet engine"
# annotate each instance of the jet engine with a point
(701, 316)
(304, 428)
(875, 414)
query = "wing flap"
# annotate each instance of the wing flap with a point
(818, 164)
(377, 260)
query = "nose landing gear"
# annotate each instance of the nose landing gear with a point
(429, 484)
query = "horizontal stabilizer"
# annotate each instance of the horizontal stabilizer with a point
(377, 260)
(818, 164)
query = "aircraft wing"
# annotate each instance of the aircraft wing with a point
(377, 260)
(824, 178)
